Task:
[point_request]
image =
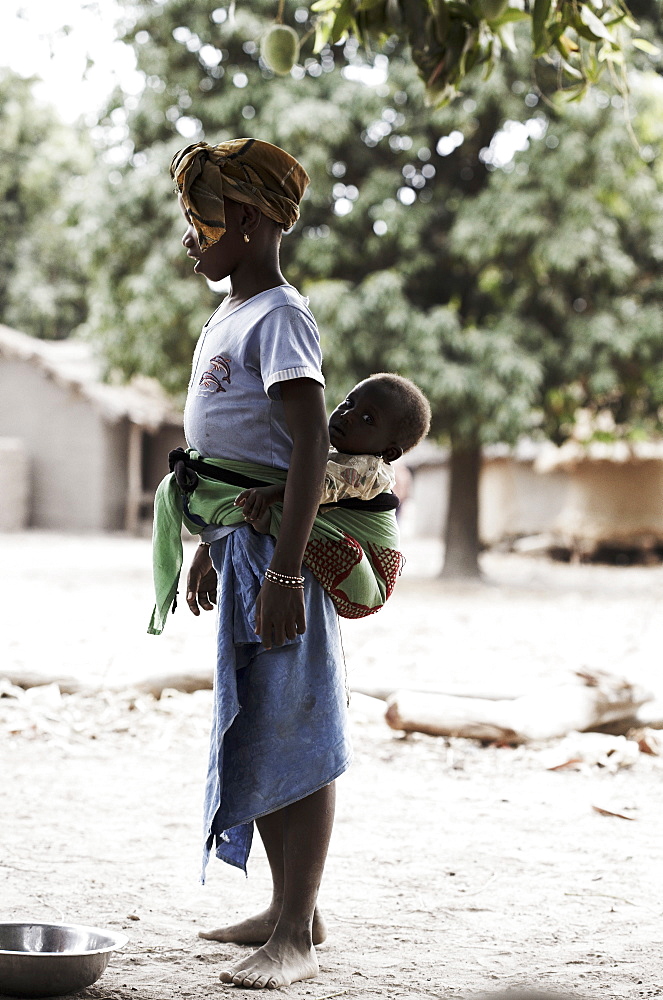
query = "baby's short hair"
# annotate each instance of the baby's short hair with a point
(414, 416)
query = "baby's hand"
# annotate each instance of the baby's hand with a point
(254, 503)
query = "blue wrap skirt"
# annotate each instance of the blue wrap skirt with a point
(279, 727)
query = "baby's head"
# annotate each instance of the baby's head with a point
(384, 415)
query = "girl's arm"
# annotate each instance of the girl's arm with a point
(279, 611)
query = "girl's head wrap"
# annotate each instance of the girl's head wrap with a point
(245, 170)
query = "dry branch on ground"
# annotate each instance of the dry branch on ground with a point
(584, 702)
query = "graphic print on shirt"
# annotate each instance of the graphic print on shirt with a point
(211, 382)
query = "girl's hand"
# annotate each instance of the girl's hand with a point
(201, 582)
(280, 614)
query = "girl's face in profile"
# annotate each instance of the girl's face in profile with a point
(219, 260)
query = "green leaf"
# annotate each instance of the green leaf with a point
(561, 44)
(595, 24)
(442, 20)
(568, 68)
(440, 98)
(584, 32)
(577, 93)
(322, 31)
(539, 18)
(508, 38)
(555, 31)
(611, 55)
(462, 11)
(324, 5)
(341, 21)
(645, 46)
(510, 15)
(593, 69)
(470, 60)
(368, 4)
(490, 64)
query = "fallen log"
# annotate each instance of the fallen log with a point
(580, 704)
(649, 716)
(490, 694)
(201, 680)
(25, 679)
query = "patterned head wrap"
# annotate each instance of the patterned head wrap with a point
(245, 170)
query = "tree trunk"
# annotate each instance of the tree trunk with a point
(461, 559)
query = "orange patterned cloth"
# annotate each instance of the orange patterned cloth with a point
(245, 170)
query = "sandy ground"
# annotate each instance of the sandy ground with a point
(454, 869)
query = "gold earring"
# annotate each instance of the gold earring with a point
(246, 237)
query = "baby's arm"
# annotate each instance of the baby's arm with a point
(257, 501)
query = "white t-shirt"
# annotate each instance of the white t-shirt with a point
(233, 408)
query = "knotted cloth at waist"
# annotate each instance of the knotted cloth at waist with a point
(352, 553)
(186, 468)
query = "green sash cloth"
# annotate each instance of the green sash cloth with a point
(353, 554)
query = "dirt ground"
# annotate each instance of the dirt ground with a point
(454, 869)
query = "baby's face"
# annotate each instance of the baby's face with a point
(363, 424)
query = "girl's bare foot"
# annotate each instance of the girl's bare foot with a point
(259, 929)
(278, 963)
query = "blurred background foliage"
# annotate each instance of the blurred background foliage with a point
(43, 167)
(503, 250)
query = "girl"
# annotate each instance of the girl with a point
(279, 735)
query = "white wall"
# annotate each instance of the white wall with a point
(430, 494)
(65, 440)
(15, 479)
(613, 503)
(513, 499)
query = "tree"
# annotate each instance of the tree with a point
(145, 308)
(571, 248)
(396, 245)
(527, 285)
(448, 39)
(42, 168)
(319, 118)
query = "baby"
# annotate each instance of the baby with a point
(381, 418)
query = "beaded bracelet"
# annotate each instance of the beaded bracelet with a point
(287, 586)
(286, 577)
(283, 580)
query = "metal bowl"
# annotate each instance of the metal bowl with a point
(49, 960)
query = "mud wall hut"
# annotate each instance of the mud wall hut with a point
(93, 453)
